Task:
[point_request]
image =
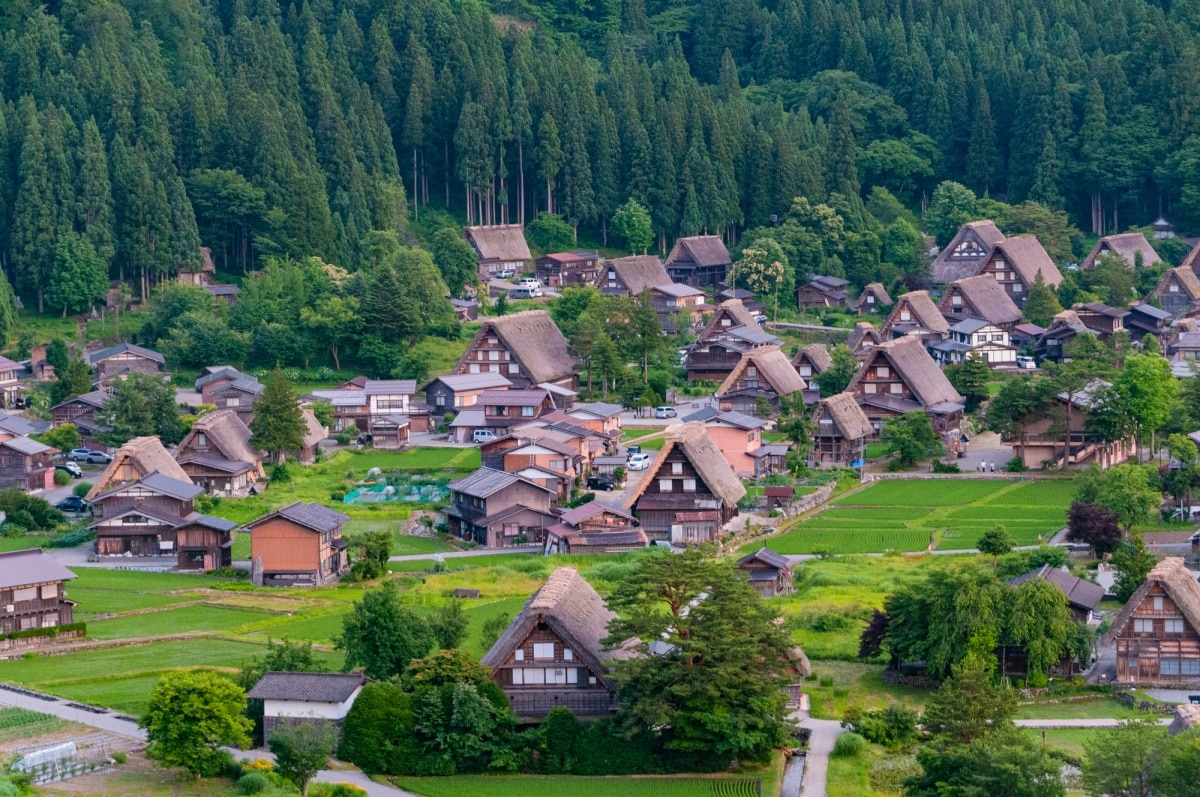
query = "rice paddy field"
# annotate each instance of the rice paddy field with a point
(916, 515)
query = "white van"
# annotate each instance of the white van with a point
(639, 462)
(1026, 362)
(483, 436)
(524, 292)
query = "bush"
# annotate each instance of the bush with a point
(887, 775)
(253, 783)
(338, 496)
(893, 727)
(281, 473)
(1015, 465)
(335, 790)
(343, 438)
(61, 478)
(69, 539)
(826, 681)
(81, 489)
(945, 467)
(120, 757)
(849, 745)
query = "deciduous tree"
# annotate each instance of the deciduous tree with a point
(302, 749)
(190, 716)
(382, 635)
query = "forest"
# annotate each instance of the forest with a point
(134, 131)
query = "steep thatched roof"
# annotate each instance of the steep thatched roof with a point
(534, 340)
(1173, 577)
(923, 312)
(705, 457)
(224, 432)
(139, 457)
(863, 332)
(1192, 260)
(637, 272)
(703, 250)
(875, 289)
(965, 253)
(816, 354)
(738, 316)
(851, 422)
(505, 242)
(982, 297)
(1186, 277)
(1027, 257)
(572, 609)
(314, 432)
(1127, 245)
(915, 367)
(773, 367)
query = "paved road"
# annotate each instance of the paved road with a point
(816, 763)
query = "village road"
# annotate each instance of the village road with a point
(816, 763)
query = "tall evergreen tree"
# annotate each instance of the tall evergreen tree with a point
(983, 156)
(95, 194)
(35, 215)
(277, 426)
(840, 170)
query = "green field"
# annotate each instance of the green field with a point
(524, 785)
(912, 515)
(199, 617)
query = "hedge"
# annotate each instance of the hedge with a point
(51, 631)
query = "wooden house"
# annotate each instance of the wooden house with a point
(770, 459)
(699, 261)
(454, 392)
(298, 545)
(1015, 263)
(526, 348)
(736, 435)
(27, 464)
(840, 432)
(498, 509)
(561, 269)
(500, 247)
(552, 653)
(1146, 319)
(552, 455)
(465, 310)
(979, 297)
(629, 276)
(1178, 292)
(965, 253)
(33, 592)
(10, 386)
(812, 360)
(599, 416)
(1046, 439)
(1157, 632)
(15, 426)
(1054, 343)
(140, 457)
(229, 389)
(822, 291)
(975, 337)
(81, 411)
(768, 572)
(216, 455)
(205, 543)
(595, 528)
(764, 374)
(499, 411)
(390, 432)
(898, 377)
(862, 338)
(355, 408)
(295, 697)
(115, 361)
(731, 332)
(915, 314)
(689, 491)
(1082, 599)
(675, 297)
(873, 298)
(139, 518)
(1131, 247)
(1102, 319)
(314, 433)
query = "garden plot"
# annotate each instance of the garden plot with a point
(912, 515)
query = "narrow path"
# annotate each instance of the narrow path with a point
(1079, 723)
(416, 557)
(816, 764)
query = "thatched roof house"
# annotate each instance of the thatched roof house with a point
(699, 260)
(1127, 246)
(873, 296)
(899, 376)
(863, 336)
(980, 297)
(915, 313)
(499, 246)
(812, 360)
(1015, 263)
(763, 373)
(629, 276)
(140, 457)
(1157, 631)
(966, 251)
(1178, 291)
(526, 348)
(217, 454)
(840, 431)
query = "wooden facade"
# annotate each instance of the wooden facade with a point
(678, 506)
(561, 269)
(205, 544)
(498, 509)
(33, 593)
(1156, 633)
(299, 545)
(768, 572)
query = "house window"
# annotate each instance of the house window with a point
(870, 300)
(558, 675)
(49, 620)
(27, 594)
(530, 676)
(998, 338)
(999, 276)
(869, 388)
(1173, 288)
(49, 591)
(1168, 667)
(1158, 604)
(1190, 667)
(1173, 625)
(665, 485)
(689, 485)
(677, 468)
(1018, 287)
(806, 370)
(568, 654)
(956, 300)
(473, 368)
(543, 650)
(519, 655)
(572, 675)
(527, 412)
(896, 388)
(905, 315)
(1143, 626)
(232, 401)
(1131, 663)
(200, 439)
(558, 464)
(882, 372)
(493, 355)
(440, 400)
(513, 368)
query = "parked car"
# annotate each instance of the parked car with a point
(633, 450)
(1026, 362)
(760, 318)
(504, 274)
(665, 412)
(483, 436)
(639, 462)
(98, 458)
(71, 468)
(530, 282)
(79, 454)
(600, 483)
(524, 292)
(73, 504)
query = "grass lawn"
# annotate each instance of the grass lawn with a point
(856, 683)
(909, 516)
(200, 617)
(1069, 740)
(849, 776)
(525, 785)
(1100, 708)
(463, 562)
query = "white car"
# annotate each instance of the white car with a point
(665, 412)
(638, 462)
(530, 282)
(1026, 362)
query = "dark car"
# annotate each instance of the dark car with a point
(600, 483)
(71, 468)
(73, 504)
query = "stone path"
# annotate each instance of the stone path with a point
(816, 763)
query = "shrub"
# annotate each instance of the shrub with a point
(335, 790)
(81, 489)
(849, 745)
(343, 438)
(894, 726)
(61, 478)
(945, 467)
(826, 681)
(281, 473)
(337, 496)
(120, 757)
(1015, 465)
(69, 539)
(253, 783)
(887, 775)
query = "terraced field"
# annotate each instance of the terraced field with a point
(910, 516)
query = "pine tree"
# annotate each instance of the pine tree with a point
(840, 170)
(35, 216)
(95, 195)
(380, 310)
(417, 107)
(1041, 305)
(278, 425)
(550, 156)
(1046, 176)
(983, 157)
(80, 276)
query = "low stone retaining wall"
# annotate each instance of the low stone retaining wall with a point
(34, 642)
(750, 530)
(1129, 699)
